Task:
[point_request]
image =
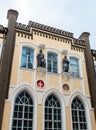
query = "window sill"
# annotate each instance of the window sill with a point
(52, 73)
(73, 77)
(27, 69)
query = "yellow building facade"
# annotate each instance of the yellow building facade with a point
(47, 98)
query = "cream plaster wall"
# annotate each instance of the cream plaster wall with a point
(56, 81)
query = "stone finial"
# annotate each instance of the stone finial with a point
(84, 34)
(12, 12)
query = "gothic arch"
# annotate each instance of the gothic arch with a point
(31, 92)
(61, 100)
(84, 101)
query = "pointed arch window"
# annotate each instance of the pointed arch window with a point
(78, 115)
(23, 112)
(52, 114)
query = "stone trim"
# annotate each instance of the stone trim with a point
(22, 27)
(38, 29)
(49, 29)
(79, 42)
(24, 34)
(51, 36)
(75, 48)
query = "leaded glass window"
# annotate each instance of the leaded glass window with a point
(52, 62)
(78, 115)
(74, 67)
(27, 58)
(52, 114)
(23, 112)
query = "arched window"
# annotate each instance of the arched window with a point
(52, 114)
(78, 115)
(23, 112)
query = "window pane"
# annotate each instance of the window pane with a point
(27, 58)
(52, 62)
(95, 68)
(74, 67)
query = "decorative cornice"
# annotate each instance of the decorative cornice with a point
(78, 45)
(22, 27)
(49, 29)
(23, 30)
(79, 42)
(34, 28)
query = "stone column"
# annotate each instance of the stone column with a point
(6, 60)
(90, 69)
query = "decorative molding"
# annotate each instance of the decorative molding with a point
(41, 46)
(66, 87)
(49, 29)
(64, 52)
(79, 42)
(51, 36)
(41, 71)
(27, 31)
(66, 75)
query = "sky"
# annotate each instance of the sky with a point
(75, 16)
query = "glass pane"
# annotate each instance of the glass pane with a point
(23, 61)
(14, 122)
(74, 67)
(30, 123)
(52, 62)
(20, 115)
(20, 123)
(27, 58)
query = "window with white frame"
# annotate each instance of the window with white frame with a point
(95, 67)
(52, 62)
(74, 67)
(27, 57)
(0, 50)
(78, 115)
(23, 112)
(52, 114)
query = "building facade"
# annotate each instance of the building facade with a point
(44, 78)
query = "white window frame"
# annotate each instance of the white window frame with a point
(27, 45)
(1, 45)
(78, 122)
(14, 94)
(95, 67)
(52, 114)
(87, 107)
(80, 60)
(28, 56)
(74, 73)
(62, 103)
(56, 52)
(23, 111)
